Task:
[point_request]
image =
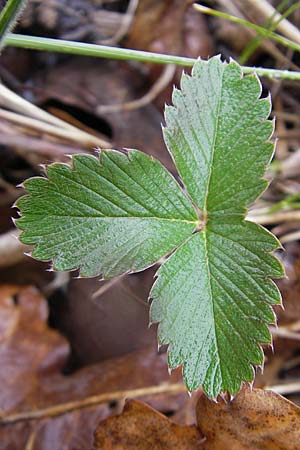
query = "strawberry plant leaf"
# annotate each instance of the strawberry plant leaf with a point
(117, 215)
(213, 296)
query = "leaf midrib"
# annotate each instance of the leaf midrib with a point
(195, 222)
(205, 212)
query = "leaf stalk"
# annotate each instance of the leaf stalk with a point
(9, 16)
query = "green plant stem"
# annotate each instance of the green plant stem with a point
(262, 31)
(8, 17)
(102, 51)
(98, 51)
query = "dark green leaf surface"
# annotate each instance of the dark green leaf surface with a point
(213, 301)
(213, 296)
(122, 214)
(217, 134)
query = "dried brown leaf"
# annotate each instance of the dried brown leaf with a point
(257, 420)
(141, 427)
(169, 27)
(31, 358)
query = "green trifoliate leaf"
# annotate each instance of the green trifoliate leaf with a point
(117, 215)
(213, 296)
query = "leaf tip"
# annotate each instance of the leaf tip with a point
(13, 219)
(261, 367)
(271, 345)
(250, 384)
(231, 397)
(43, 167)
(69, 156)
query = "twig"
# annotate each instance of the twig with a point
(271, 24)
(59, 281)
(266, 10)
(134, 296)
(282, 216)
(63, 408)
(284, 389)
(288, 117)
(291, 363)
(30, 444)
(44, 127)
(111, 283)
(289, 134)
(11, 100)
(125, 24)
(290, 167)
(289, 237)
(283, 332)
(104, 287)
(103, 51)
(294, 326)
(282, 146)
(262, 31)
(37, 145)
(161, 83)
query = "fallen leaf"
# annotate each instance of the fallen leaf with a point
(28, 348)
(141, 427)
(32, 356)
(168, 27)
(254, 420)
